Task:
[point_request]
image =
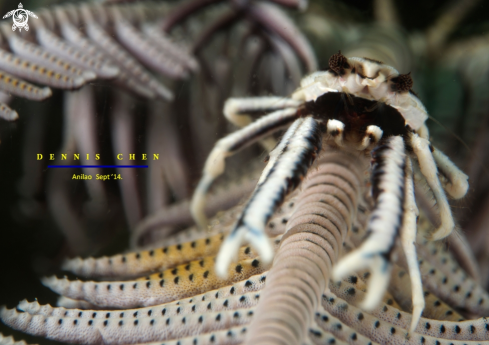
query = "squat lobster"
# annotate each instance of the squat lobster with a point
(359, 105)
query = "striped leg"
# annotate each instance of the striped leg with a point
(427, 165)
(383, 227)
(408, 239)
(229, 145)
(454, 181)
(282, 174)
(238, 111)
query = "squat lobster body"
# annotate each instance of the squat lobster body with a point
(359, 105)
(368, 79)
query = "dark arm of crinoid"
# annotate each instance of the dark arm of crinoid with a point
(288, 164)
(231, 144)
(385, 222)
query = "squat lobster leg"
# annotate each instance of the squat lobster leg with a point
(408, 239)
(421, 148)
(238, 111)
(385, 222)
(229, 145)
(453, 180)
(280, 177)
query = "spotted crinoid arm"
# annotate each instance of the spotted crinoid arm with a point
(118, 330)
(199, 316)
(219, 309)
(382, 327)
(179, 282)
(139, 263)
(431, 327)
(17, 87)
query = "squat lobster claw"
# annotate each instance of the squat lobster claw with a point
(358, 105)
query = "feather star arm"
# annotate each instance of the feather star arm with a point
(379, 330)
(20, 88)
(38, 73)
(182, 283)
(114, 331)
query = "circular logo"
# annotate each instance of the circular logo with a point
(20, 18)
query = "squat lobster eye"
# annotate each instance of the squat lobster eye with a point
(402, 83)
(338, 63)
(336, 112)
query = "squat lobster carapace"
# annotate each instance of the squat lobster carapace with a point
(359, 105)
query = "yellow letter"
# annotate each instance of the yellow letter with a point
(156, 156)
(76, 156)
(39, 156)
(63, 156)
(97, 156)
(51, 156)
(132, 156)
(88, 156)
(119, 158)
(145, 157)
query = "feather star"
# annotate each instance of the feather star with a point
(171, 295)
